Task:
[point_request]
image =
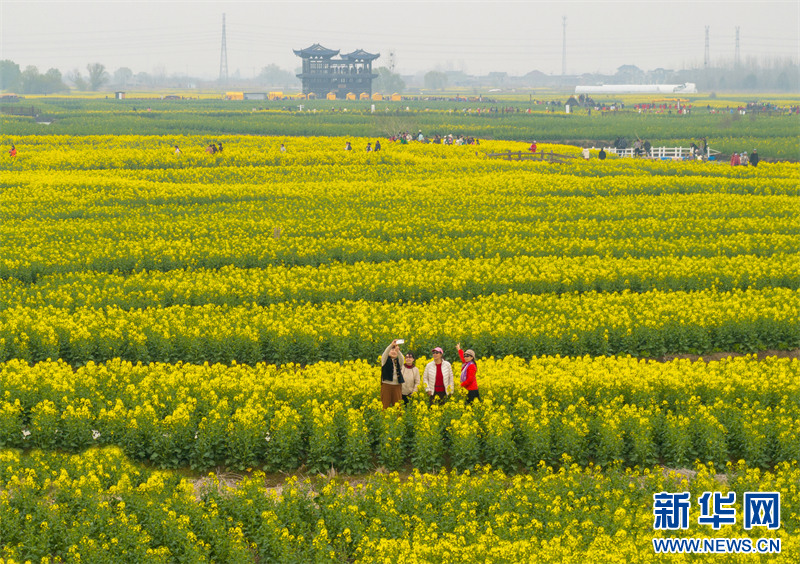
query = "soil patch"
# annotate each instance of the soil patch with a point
(761, 355)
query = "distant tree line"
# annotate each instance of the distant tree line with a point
(778, 75)
(30, 81)
(781, 75)
(753, 75)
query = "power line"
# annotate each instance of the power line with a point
(736, 54)
(223, 57)
(564, 47)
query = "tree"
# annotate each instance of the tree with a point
(31, 82)
(53, 82)
(750, 82)
(122, 76)
(9, 75)
(435, 80)
(273, 75)
(97, 75)
(388, 82)
(144, 79)
(629, 74)
(75, 78)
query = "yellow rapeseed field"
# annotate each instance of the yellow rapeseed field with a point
(167, 313)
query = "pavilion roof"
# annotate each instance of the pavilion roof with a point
(316, 50)
(360, 55)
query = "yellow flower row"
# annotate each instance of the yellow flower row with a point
(142, 152)
(562, 380)
(602, 409)
(407, 208)
(140, 207)
(646, 324)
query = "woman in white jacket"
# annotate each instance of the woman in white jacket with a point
(438, 377)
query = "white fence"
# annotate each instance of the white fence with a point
(665, 153)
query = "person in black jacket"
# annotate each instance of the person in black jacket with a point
(391, 375)
(754, 158)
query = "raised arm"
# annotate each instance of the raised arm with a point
(385, 355)
(460, 352)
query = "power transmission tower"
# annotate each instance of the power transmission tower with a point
(223, 56)
(392, 61)
(706, 56)
(564, 47)
(736, 60)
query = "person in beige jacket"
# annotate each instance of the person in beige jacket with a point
(438, 377)
(410, 377)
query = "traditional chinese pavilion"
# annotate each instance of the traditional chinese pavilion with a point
(323, 74)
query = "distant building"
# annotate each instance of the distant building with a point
(323, 75)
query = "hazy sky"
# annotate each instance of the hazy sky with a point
(477, 37)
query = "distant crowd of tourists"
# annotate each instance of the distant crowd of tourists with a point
(370, 148)
(741, 159)
(405, 137)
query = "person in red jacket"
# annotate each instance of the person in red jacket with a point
(469, 368)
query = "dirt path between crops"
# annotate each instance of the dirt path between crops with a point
(761, 355)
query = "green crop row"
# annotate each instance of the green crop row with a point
(320, 437)
(101, 508)
(454, 278)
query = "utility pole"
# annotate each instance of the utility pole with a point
(706, 58)
(564, 47)
(223, 56)
(736, 60)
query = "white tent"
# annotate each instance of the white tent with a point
(686, 88)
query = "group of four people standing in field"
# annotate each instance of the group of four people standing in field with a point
(399, 381)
